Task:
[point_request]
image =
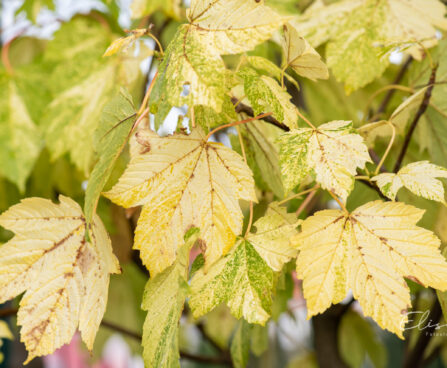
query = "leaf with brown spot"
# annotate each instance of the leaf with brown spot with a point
(369, 251)
(65, 278)
(183, 181)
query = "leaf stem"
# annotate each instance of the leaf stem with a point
(340, 203)
(297, 195)
(388, 149)
(5, 57)
(147, 94)
(305, 202)
(244, 155)
(236, 123)
(305, 119)
(378, 92)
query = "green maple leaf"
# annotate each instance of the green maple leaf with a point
(114, 129)
(20, 138)
(164, 297)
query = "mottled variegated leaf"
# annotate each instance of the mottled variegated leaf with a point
(360, 31)
(418, 177)
(65, 278)
(266, 95)
(369, 251)
(333, 151)
(241, 279)
(164, 297)
(233, 26)
(111, 136)
(272, 237)
(183, 181)
(20, 139)
(301, 56)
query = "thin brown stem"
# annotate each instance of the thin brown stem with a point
(422, 108)
(245, 121)
(386, 100)
(242, 108)
(306, 202)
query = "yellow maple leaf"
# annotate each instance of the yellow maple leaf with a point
(183, 181)
(369, 251)
(272, 237)
(332, 151)
(418, 177)
(233, 26)
(65, 278)
(301, 56)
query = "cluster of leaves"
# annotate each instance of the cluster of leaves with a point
(189, 187)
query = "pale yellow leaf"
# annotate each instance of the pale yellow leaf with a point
(123, 43)
(301, 56)
(369, 251)
(333, 151)
(64, 277)
(183, 181)
(272, 237)
(418, 177)
(233, 26)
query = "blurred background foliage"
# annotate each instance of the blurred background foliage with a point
(54, 84)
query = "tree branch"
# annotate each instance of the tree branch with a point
(224, 359)
(240, 107)
(422, 108)
(386, 100)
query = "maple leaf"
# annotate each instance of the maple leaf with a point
(355, 28)
(164, 297)
(20, 138)
(272, 237)
(369, 250)
(265, 94)
(217, 21)
(302, 57)
(418, 177)
(110, 138)
(82, 82)
(142, 8)
(183, 181)
(193, 59)
(244, 278)
(333, 151)
(65, 278)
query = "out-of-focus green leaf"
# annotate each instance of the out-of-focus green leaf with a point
(242, 279)
(356, 338)
(163, 300)
(113, 131)
(240, 345)
(262, 154)
(20, 139)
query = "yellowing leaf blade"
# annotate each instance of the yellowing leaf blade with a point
(183, 181)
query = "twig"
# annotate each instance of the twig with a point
(235, 123)
(306, 202)
(240, 107)
(422, 108)
(386, 100)
(225, 359)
